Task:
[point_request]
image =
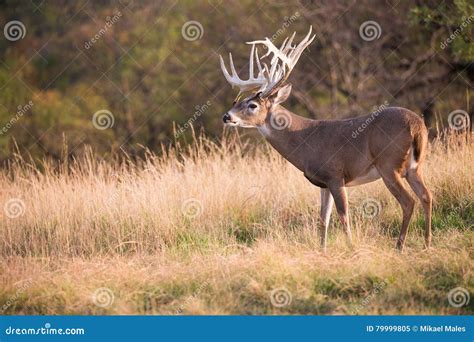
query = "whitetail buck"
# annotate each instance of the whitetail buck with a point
(333, 154)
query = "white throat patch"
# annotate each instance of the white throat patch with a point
(264, 130)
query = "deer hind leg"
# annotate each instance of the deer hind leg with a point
(393, 181)
(415, 179)
(339, 194)
(327, 202)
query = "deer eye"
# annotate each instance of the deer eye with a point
(252, 106)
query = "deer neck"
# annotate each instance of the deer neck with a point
(283, 130)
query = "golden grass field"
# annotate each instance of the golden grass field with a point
(225, 229)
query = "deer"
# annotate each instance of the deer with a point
(390, 143)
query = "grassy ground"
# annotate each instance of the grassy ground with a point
(221, 231)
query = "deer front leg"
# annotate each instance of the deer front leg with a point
(338, 191)
(325, 215)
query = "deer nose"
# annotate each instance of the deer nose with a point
(226, 117)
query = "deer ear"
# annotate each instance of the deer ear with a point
(281, 95)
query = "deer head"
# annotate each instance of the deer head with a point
(268, 88)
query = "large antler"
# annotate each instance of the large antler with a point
(250, 84)
(281, 65)
(287, 54)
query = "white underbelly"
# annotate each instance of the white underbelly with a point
(370, 176)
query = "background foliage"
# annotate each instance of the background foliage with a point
(145, 72)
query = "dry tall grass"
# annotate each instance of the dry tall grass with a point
(218, 229)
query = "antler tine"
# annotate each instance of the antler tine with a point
(232, 68)
(259, 66)
(295, 54)
(252, 82)
(291, 56)
(252, 52)
(268, 79)
(224, 70)
(276, 71)
(271, 48)
(291, 41)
